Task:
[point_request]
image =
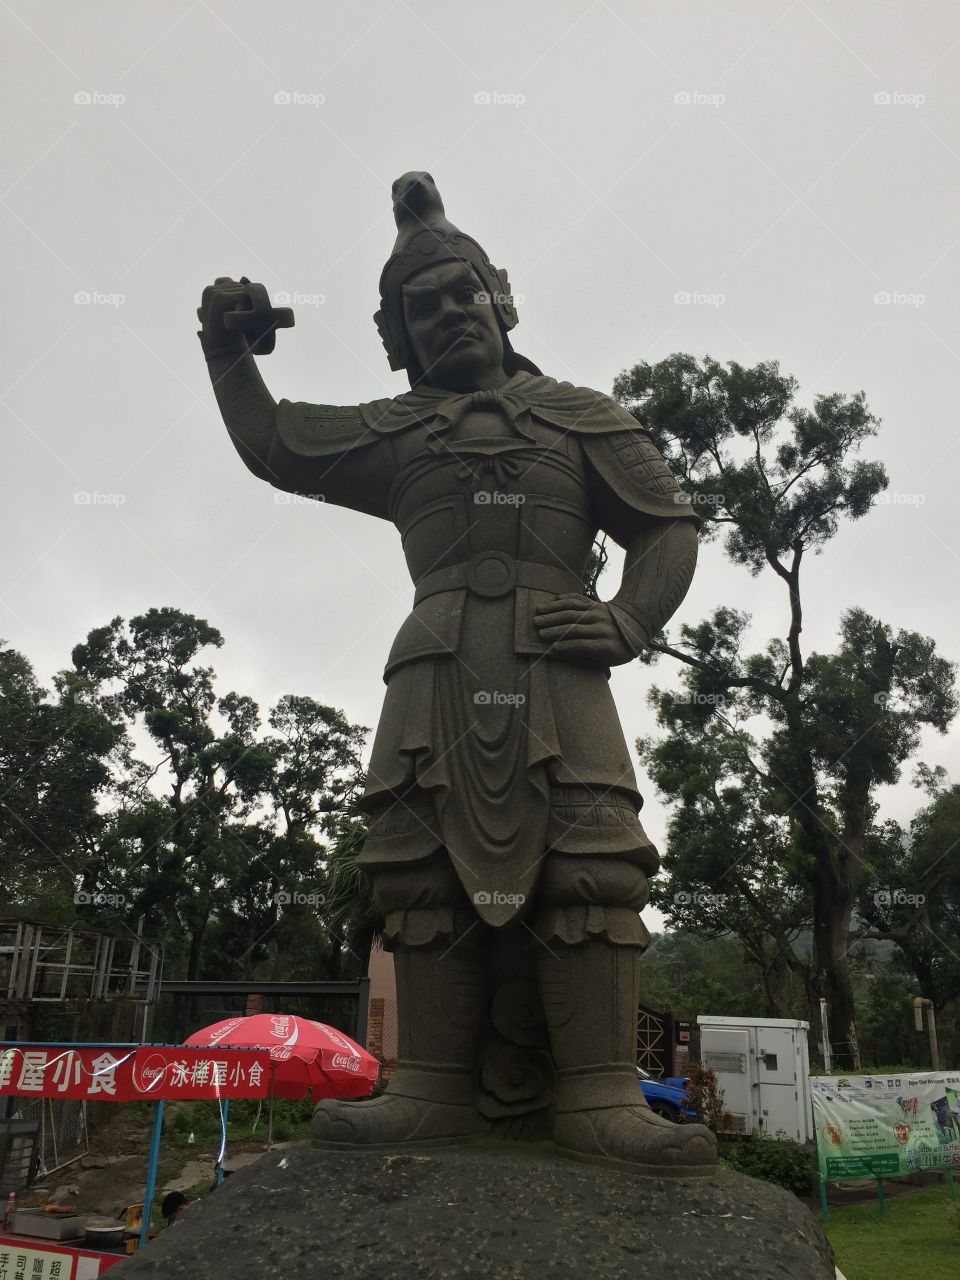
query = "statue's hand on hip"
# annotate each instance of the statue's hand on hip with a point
(579, 629)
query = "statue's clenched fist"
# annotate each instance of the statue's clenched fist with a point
(218, 298)
(237, 316)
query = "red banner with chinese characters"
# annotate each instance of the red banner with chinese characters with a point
(118, 1073)
(44, 1260)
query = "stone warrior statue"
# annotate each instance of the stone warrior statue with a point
(504, 844)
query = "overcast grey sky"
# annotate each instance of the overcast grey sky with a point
(785, 163)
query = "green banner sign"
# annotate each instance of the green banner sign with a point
(878, 1126)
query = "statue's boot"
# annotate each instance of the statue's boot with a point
(590, 995)
(431, 1098)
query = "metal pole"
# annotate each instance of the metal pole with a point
(952, 1185)
(880, 1200)
(824, 1213)
(79, 1044)
(919, 1004)
(66, 966)
(154, 987)
(825, 1032)
(152, 1163)
(223, 1140)
(932, 1030)
(273, 1076)
(135, 957)
(53, 1128)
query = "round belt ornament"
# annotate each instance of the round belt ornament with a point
(492, 574)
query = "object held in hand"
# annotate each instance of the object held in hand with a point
(260, 323)
(255, 317)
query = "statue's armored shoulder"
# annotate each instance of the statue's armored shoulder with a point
(631, 468)
(320, 430)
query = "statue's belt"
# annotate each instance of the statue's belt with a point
(494, 573)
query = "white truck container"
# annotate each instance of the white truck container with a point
(763, 1067)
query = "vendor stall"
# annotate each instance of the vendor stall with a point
(31, 1259)
(36, 1244)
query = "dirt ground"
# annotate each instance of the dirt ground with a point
(113, 1174)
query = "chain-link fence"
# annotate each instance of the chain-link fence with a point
(63, 1129)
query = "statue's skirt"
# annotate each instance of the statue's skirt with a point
(499, 758)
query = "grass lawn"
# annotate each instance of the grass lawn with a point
(914, 1240)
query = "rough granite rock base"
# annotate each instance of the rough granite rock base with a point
(494, 1209)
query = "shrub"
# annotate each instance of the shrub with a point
(706, 1096)
(775, 1160)
(202, 1119)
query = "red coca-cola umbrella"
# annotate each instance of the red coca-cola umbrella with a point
(307, 1056)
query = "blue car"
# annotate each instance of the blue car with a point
(667, 1096)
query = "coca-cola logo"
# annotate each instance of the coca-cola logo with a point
(336, 1038)
(148, 1073)
(224, 1029)
(345, 1062)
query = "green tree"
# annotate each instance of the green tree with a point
(60, 757)
(353, 914)
(150, 673)
(826, 729)
(683, 970)
(912, 894)
(225, 844)
(729, 867)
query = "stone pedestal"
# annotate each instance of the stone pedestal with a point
(473, 1212)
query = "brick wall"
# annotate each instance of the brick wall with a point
(377, 1014)
(375, 1026)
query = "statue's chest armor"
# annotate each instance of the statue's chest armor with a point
(485, 484)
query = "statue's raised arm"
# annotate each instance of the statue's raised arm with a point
(247, 407)
(319, 451)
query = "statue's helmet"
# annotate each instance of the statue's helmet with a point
(425, 237)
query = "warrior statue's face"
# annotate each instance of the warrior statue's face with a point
(453, 328)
